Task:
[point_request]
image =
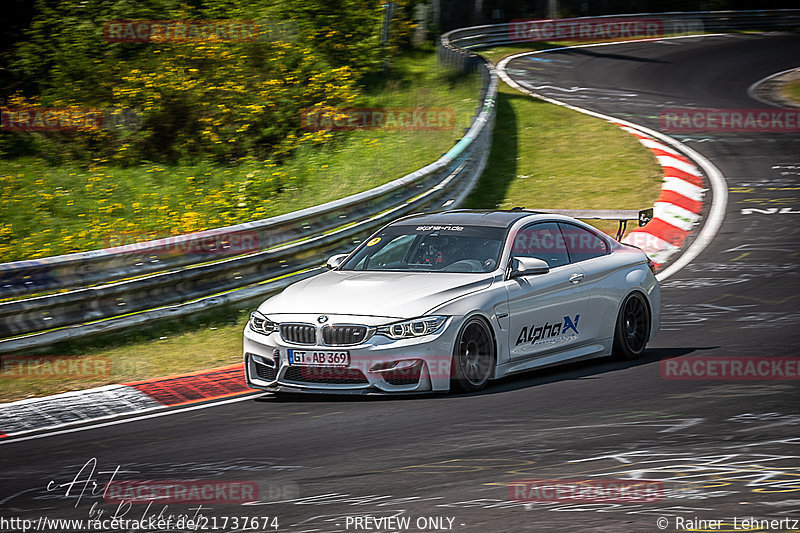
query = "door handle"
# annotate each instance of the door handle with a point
(576, 278)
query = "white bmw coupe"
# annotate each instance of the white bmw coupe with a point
(453, 300)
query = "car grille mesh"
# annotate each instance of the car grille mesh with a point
(299, 333)
(327, 375)
(265, 372)
(343, 335)
(331, 335)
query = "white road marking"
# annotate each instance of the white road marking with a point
(675, 215)
(655, 145)
(667, 161)
(576, 89)
(10, 440)
(683, 187)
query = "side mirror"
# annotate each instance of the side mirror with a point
(527, 266)
(335, 261)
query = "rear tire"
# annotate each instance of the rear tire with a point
(633, 328)
(474, 356)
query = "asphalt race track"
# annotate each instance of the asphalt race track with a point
(722, 449)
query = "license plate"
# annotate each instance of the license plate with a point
(318, 358)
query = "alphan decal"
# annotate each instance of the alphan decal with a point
(548, 331)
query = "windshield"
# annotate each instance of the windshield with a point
(412, 248)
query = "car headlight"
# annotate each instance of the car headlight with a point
(261, 324)
(412, 328)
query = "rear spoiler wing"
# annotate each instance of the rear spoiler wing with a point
(643, 216)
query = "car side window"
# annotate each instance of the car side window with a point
(583, 244)
(542, 240)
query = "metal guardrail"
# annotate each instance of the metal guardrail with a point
(670, 23)
(126, 286)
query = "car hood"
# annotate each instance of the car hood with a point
(386, 294)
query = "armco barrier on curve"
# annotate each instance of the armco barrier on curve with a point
(126, 286)
(166, 279)
(671, 23)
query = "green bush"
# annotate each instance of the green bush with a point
(213, 100)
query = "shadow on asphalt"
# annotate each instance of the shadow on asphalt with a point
(621, 57)
(533, 378)
(579, 370)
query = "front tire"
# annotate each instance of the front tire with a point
(633, 328)
(474, 356)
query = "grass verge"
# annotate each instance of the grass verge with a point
(791, 90)
(48, 211)
(41, 376)
(550, 157)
